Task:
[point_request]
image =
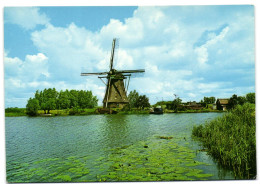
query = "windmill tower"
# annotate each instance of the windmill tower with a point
(116, 93)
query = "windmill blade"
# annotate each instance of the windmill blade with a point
(100, 73)
(112, 53)
(131, 71)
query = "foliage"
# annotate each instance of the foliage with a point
(231, 140)
(209, 100)
(142, 102)
(50, 99)
(15, 111)
(32, 107)
(240, 100)
(163, 103)
(138, 101)
(250, 97)
(176, 104)
(133, 97)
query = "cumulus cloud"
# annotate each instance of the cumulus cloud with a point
(202, 51)
(26, 17)
(182, 52)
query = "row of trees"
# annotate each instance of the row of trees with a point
(138, 101)
(240, 100)
(50, 99)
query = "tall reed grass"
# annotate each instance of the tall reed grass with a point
(231, 140)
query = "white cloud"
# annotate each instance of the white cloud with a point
(23, 72)
(26, 17)
(159, 39)
(202, 51)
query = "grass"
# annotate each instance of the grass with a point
(231, 140)
(15, 111)
(12, 112)
(192, 111)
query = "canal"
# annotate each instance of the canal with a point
(108, 148)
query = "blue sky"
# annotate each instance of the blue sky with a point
(191, 51)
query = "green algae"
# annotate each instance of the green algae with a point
(155, 160)
(152, 160)
(50, 170)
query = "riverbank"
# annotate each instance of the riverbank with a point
(13, 112)
(231, 140)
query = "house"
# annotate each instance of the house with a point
(192, 105)
(222, 103)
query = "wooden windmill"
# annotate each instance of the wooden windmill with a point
(116, 93)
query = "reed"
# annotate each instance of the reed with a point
(231, 140)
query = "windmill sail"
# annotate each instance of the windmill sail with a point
(100, 73)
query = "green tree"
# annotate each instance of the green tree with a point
(241, 100)
(47, 99)
(209, 100)
(133, 97)
(142, 102)
(176, 103)
(86, 99)
(50, 104)
(63, 101)
(73, 98)
(250, 98)
(233, 101)
(32, 107)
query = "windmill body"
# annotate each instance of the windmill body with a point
(117, 82)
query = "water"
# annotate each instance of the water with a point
(86, 148)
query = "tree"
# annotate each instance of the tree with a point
(63, 101)
(176, 103)
(241, 100)
(233, 101)
(73, 98)
(50, 104)
(250, 98)
(32, 107)
(142, 102)
(133, 97)
(209, 100)
(86, 99)
(50, 99)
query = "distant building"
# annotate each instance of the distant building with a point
(192, 105)
(222, 103)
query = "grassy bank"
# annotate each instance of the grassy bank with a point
(12, 112)
(192, 111)
(231, 140)
(15, 111)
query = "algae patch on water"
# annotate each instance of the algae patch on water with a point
(154, 160)
(157, 159)
(50, 170)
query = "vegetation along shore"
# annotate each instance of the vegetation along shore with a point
(231, 140)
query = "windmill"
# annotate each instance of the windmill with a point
(117, 80)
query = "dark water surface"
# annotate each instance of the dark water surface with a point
(108, 148)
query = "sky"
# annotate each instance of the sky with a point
(189, 51)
